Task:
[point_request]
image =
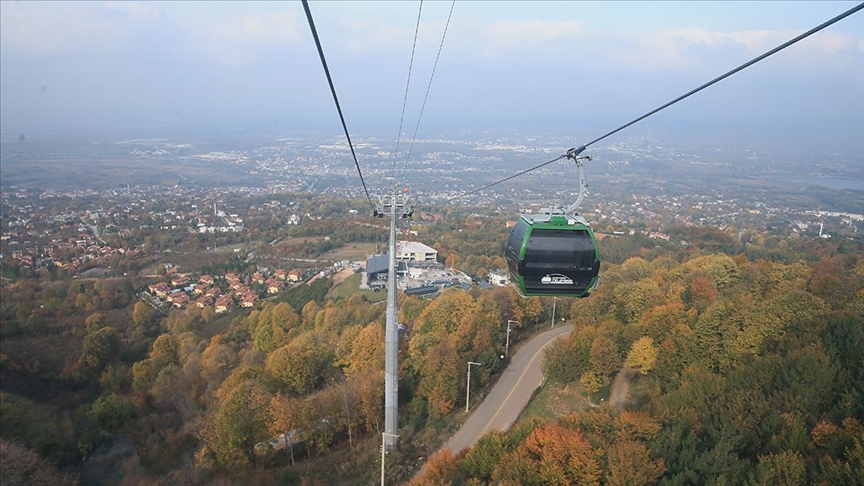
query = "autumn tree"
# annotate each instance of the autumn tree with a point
(24, 467)
(301, 365)
(603, 357)
(367, 350)
(700, 293)
(164, 358)
(527, 311)
(717, 332)
(286, 413)
(368, 388)
(591, 382)
(629, 462)
(563, 456)
(240, 422)
(217, 359)
(643, 355)
(442, 469)
(659, 321)
(141, 315)
(631, 300)
(440, 378)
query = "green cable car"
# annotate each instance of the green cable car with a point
(554, 253)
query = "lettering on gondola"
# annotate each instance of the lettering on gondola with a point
(556, 279)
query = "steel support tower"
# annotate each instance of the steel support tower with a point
(393, 204)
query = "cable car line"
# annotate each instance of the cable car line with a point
(777, 49)
(335, 98)
(428, 88)
(544, 164)
(405, 98)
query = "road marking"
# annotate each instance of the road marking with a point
(517, 384)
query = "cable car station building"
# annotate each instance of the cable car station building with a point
(408, 253)
(414, 251)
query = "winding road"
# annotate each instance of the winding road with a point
(510, 394)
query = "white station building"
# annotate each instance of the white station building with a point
(414, 251)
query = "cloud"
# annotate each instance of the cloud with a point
(234, 41)
(680, 47)
(699, 50)
(373, 36)
(56, 28)
(501, 36)
(136, 9)
(61, 28)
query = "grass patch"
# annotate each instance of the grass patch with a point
(603, 394)
(554, 400)
(352, 251)
(351, 286)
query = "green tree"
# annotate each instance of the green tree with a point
(100, 347)
(566, 359)
(110, 412)
(25, 422)
(95, 322)
(787, 468)
(482, 459)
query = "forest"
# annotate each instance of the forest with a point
(748, 373)
(748, 358)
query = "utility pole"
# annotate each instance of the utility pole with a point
(554, 301)
(468, 392)
(507, 346)
(390, 204)
(384, 436)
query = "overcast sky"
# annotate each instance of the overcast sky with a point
(171, 65)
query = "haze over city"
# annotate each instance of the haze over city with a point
(252, 66)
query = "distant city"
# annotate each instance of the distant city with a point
(639, 181)
(57, 198)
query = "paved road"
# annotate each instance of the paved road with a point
(510, 394)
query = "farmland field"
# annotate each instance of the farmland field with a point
(353, 252)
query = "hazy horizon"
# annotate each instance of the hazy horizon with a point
(580, 67)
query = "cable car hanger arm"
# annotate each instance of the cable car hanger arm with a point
(574, 155)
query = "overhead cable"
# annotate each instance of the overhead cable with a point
(335, 98)
(405, 98)
(689, 93)
(428, 88)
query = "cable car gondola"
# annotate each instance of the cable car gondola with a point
(555, 253)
